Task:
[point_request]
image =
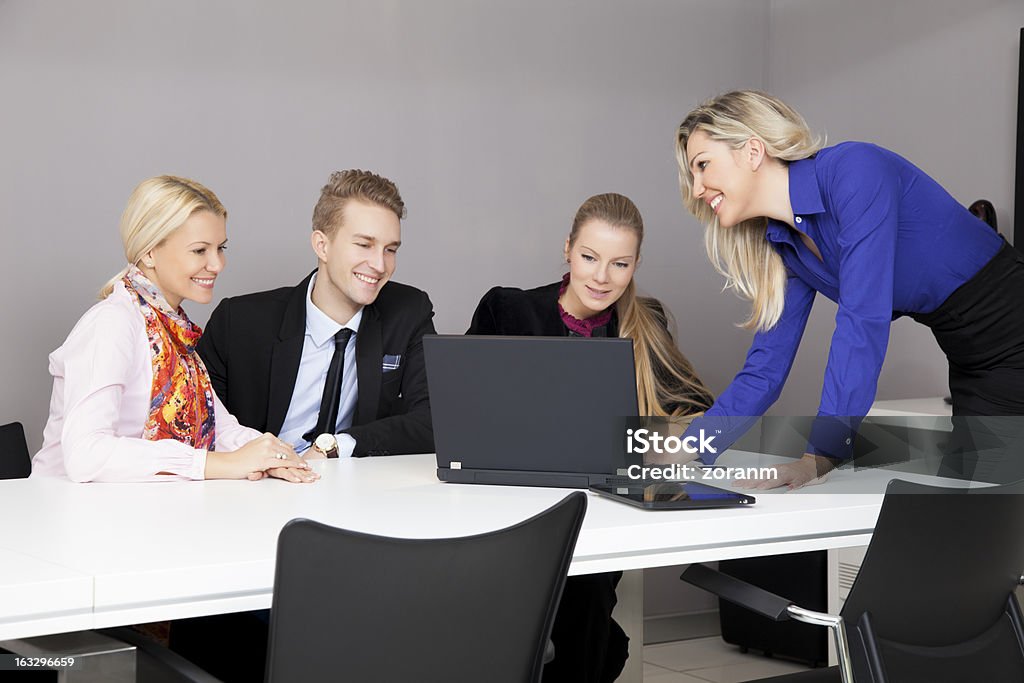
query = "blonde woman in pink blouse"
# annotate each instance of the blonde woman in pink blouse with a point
(132, 401)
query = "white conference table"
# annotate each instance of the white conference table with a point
(39, 597)
(79, 556)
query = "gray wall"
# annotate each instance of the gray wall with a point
(496, 119)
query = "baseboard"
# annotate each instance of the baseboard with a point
(667, 628)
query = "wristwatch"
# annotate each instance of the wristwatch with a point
(327, 444)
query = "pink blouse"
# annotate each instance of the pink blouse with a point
(102, 382)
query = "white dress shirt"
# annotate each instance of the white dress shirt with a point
(102, 385)
(317, 350)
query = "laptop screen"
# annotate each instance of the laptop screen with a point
(546, 404)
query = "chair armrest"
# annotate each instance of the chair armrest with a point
(738, 592)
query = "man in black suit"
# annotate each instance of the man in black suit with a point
(333, 366)
(269, 354)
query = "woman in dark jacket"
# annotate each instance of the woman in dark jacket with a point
(597, 298)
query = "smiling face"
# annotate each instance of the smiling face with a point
(602, 261)
(186, 264)
(356, 260)
(723, 178)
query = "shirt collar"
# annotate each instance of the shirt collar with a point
(804, 197)
(320, 327)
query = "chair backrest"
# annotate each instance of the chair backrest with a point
(934, 599)
(357, 607)
(15, 461)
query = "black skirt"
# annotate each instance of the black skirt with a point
(980, 328)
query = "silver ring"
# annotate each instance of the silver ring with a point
(280, 456)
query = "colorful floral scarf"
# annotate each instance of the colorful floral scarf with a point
(181, 403)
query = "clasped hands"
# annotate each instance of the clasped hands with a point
(264, 456)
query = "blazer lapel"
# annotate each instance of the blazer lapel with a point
(369, 352)
(285, 357)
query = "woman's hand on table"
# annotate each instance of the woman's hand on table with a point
(264, 456)
(807, 471)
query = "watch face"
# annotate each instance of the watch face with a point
(326, 442)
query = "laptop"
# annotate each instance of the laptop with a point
(531, 411)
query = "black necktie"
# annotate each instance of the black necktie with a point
(328, 418)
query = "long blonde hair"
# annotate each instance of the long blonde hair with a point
(156, 208)
(742, 253)
(666, 383)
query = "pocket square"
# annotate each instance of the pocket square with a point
(391, 363)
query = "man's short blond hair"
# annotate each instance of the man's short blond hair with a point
(353, 184)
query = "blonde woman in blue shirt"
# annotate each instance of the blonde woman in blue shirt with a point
(786, 218)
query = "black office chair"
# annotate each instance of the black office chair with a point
(934, 600)
(983, 209)
(15, 461)
(356, 607)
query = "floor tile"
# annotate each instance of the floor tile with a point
(699, 653)
(756, 667)
(651, 669)
(671, 677)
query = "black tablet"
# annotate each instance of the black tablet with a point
(672, 495)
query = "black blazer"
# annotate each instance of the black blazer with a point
(524, 312)
(253, 343)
